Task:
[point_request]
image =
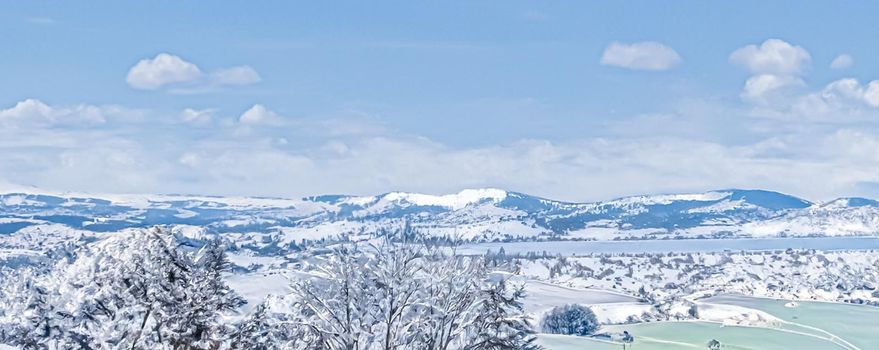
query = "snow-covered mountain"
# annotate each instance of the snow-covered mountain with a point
(476, 214)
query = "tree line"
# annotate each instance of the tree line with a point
(145, 290)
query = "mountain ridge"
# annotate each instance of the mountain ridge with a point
(487, 214)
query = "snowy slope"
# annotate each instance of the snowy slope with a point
(840, 217)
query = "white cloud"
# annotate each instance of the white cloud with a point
(576, 170)
(776, 88)
(646, 55)
(843, 100)
(774, 56)
(189, 159)
(842, 62)
(259, 114)
(27, 109)
(241, 75)
(198, 116)
(178, 75)
(849, 92)
(35, 112)
(767, 88)
(163, 70)
(871, 95)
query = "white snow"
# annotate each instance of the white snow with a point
(736, 315)
(450, 201)
(619, 313)
(722, 206)
(543, 296)
(669, 198)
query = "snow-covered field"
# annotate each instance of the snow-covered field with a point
(764, 324)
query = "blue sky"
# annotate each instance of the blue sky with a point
(570, 100)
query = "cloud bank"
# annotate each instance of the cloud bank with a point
(159, 153)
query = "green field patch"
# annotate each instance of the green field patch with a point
(857, 326)
(693, 335)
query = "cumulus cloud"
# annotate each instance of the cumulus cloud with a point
(35, 112)
(166, 71)
(844, 100)
(774, 56)
(259, 115)
(776, 87)
(198, 116)
(871, 95)
(648, 55)
(766, 88)
(162, 70)
(851, 90)
(842, 62)
(844, 96)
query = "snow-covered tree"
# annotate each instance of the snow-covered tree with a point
(267, 330)
(152, 290)
(500, 323)
(132, 291)
(336, 306)
(571, 319)
(398, 281)
(209, 296)
(452, 292)
(406, 296)
(30, 319)
(256, 332)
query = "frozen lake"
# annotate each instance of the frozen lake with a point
(675, 245)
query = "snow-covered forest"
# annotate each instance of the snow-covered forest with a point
(149, 290)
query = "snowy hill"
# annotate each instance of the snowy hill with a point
(476, 214)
